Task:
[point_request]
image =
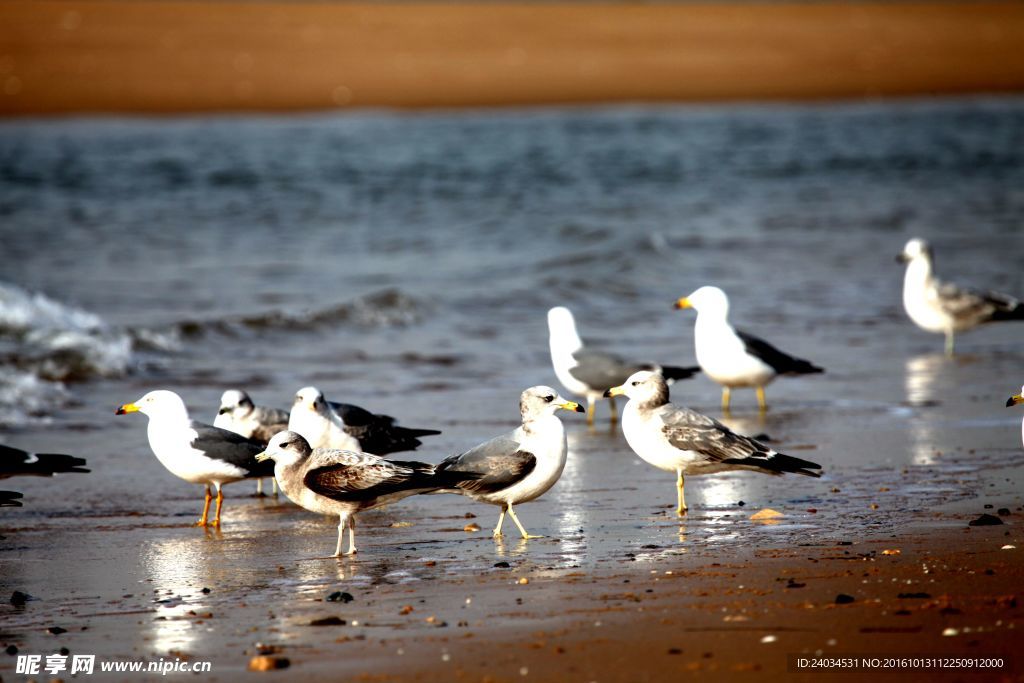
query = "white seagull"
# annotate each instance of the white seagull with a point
(734, 358)
(521, 465)
(589, 372)
(943, 307)
(196, 452)
(238, 413)
(679, 440)
(343, 483)
(343, 426)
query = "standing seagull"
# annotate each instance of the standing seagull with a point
(588, 372)
(335, 482)
(943, 307)
(519, 466)
(679, 440)
(238, 414)
(347, 427)
(197, 452)
(1014, 400)
(734, 358)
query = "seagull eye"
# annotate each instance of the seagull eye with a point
(286, 444)
(549, 399)
(636, 384)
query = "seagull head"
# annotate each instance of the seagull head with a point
(541, 401)
(286, 448)
(914, 249)
(311, 399)
(235, 400)
(1014, 400)
(562, 326)
(644, 387)
(707, 299)
(159, 403)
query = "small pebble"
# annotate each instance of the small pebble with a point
(502, 565)
(328, 621)
(523, 581)
(18, 598)
(471, 527)
(844, 599)
(985, 520)
(340, 596)
(267, 663)
(769, 639)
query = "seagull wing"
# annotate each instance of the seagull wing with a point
(688, 430)
(781, 362)
(362, 477)
(232, 448)
(492, 466)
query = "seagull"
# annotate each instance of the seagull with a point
(15, 462)
(734, 358)
(347, 427)
(238, 413)
(343, 483)
(197, 452)
(943, 307)
(589, 372)
(675, 438)
(521, 465)
(1014, 400)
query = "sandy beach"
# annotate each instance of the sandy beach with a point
(65, 56)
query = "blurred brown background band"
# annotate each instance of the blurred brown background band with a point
(102, 56)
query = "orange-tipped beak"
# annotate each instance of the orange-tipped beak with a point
(127, 408)
(683, 303)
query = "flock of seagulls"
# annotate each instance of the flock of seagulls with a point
(334, 458)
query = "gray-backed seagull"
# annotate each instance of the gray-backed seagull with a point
(238, 413)
(679, 440)
(196, 452)
(734, 358)
(521, 465)
(943, 307)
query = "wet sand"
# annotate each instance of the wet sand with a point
(619, 590)
(62, 56)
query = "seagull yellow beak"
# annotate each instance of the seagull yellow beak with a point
(1014, 400)
(617, 391)
(683, 303)
(572, 406)
(260, 457)
(127, 408)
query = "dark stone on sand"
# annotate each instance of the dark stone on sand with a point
(340, 596)
(741, 503)
(11, 650)
(502, 565)
(985, 520)
(675, 651)
(914, 596)
(205, 591)
(794, 584)
(650, 546)
(328, 621)
(18, 598)
(1003, 512)
(845, 543)
(844, 599)
(57, 630)
(989, 506)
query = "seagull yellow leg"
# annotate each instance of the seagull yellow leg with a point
(681, 508)
(949, 343)
(512, 514)
(501, 520)
(220, 501)
(762, 402)
(206, 508)
(274, 487)
(351, 536)
(615, 413)
(726, 395)
(590, 410)
(259, 487)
